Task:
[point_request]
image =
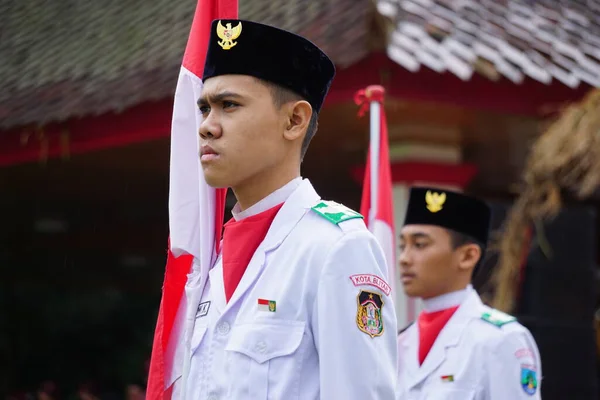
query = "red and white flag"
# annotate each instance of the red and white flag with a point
(195, 209)
(377, 202)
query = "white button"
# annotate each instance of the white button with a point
(261, 346)
(223, 328)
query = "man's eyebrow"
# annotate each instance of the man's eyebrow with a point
(218, 97)
(416, 235)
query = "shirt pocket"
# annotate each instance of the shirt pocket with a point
(265, 354)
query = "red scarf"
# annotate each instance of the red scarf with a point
(430, 325)
(240, 240)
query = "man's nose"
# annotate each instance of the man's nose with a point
(210, 128)
(404, 258)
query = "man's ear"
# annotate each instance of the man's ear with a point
(469, 256)
(298, 118)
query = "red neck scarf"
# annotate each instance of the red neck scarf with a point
(240, 241)
(430, 325)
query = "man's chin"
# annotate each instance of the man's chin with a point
(215, 181)
(216, 185)
(411, 291)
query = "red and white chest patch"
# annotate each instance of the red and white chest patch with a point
(371, 280)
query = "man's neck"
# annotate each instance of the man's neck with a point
(255, 189)
(274, 199)
(446, 300)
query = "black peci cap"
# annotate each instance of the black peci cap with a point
(451, 210)
(271, 54)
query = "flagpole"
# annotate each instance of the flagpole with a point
(374, 94)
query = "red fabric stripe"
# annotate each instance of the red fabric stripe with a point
(263, 302)
(197, 45)
(385, 211)
(430, 326)
(240, 241)
(175, 278)
(219, 217)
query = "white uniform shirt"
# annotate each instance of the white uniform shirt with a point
(305, 343)
(471, 359)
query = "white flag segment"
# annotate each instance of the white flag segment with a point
(191, 205)
(191, 201)
(195, 209)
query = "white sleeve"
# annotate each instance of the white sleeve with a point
(357, 354)
(514, 369)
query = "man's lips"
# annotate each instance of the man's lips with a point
(407, 276)
(206, 149)
(207, 153)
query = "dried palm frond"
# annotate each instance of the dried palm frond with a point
(564, 159)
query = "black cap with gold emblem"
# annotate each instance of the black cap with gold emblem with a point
(269, 53)
(448, 209)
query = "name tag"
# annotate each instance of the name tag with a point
(203, 309)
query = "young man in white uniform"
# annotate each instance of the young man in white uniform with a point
(297, 306)
(458, 349)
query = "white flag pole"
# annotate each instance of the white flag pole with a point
(375, 136)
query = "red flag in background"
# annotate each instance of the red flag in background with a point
(377, 204)
(195, 209)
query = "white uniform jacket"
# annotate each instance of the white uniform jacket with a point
(297, 326)
(480, 354)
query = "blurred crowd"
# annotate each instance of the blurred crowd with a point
(49, 390)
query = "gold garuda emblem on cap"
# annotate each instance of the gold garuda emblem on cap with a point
(227, 34)
(435, 201)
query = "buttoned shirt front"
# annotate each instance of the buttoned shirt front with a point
(295, 327)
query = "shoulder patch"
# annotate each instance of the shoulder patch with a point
(498, 318)
(335, 212)
(369, 318)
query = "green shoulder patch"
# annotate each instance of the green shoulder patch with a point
(498, 318)
(335, 212)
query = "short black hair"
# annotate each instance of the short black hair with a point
(458, 239)
(281, 96)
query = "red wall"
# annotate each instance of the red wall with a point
(152, 120)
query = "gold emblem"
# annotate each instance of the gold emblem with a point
(435, 201)
(227, 34)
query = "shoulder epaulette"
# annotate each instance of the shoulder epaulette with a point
(498, 318)
(335, 212)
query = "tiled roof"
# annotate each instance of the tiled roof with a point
(541, 40)
(62, 59)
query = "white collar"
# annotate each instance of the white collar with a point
(275, 198)
(446, 300)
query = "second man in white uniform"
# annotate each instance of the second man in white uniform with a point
(458, 349)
